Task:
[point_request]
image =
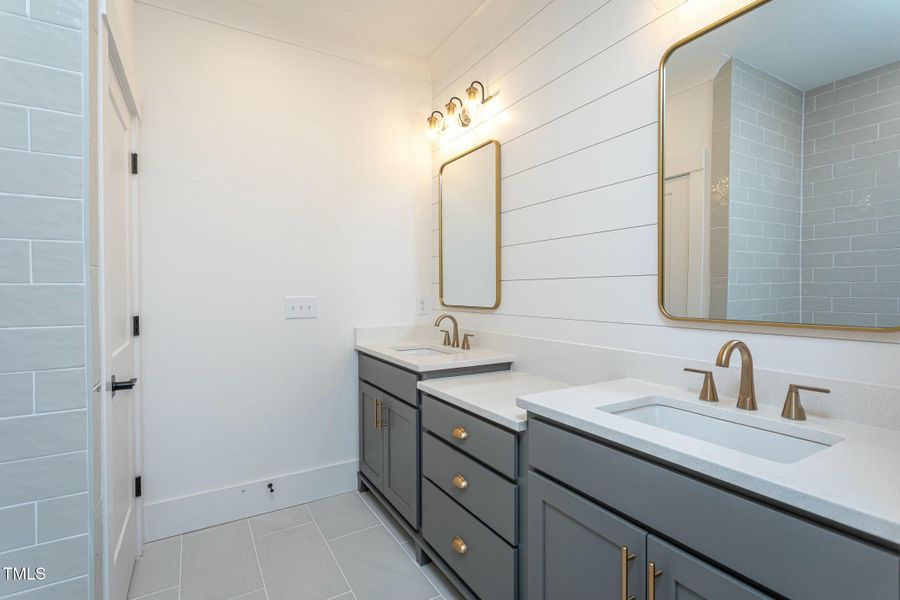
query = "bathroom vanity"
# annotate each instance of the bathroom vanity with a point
(390, 419)
(642, 489)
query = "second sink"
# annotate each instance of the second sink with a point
(752, 439)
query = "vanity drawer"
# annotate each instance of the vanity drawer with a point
(488, 443)
(787, 554)
(393, 380)
(488, 565)
(487, 495)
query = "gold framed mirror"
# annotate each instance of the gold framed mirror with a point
(469, 228)
(779, 168)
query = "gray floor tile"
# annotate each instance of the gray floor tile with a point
(297, 565)
(170, 594)
(378, 569)
(340, 515)
(279, 520)
(219, 563)
(157, 569)
(257, 595)
(409, 549)
(392, 526)
(441, 583)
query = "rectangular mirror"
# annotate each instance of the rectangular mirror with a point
(780, 167)
(469, 212)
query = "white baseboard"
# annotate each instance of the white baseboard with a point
(189, 513)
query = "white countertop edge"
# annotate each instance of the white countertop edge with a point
(466, 358)
(848, 517)
(477, 409)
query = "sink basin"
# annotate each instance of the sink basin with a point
(423, 351)
(750, 438)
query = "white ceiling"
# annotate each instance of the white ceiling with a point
(414, 26)
(807, 42)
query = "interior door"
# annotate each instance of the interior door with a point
(576, 549)
(371, 436)
(401, 441)
(680, 576)
(118, 414)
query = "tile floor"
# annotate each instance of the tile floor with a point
(341, 548)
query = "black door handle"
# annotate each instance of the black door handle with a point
(122, 385)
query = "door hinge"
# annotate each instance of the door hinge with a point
(137, 486)
(134, 163)
(136, 325)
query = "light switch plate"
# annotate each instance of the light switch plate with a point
(422, 305)
(301, 307)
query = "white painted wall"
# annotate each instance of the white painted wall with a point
(267, 170)
(577, 120)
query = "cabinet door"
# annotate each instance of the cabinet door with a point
(684, 577)
(576, 549)
(401, 458)
(371, 437)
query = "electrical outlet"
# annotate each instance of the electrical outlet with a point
(422, 305)
(301, 307)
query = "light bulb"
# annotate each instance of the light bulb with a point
(472, 100)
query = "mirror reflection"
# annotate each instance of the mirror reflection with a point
(781, 167)
(469, 208)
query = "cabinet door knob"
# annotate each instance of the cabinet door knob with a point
(459, 433)
(459, 545)
(459, 482)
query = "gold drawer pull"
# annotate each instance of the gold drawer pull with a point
(626, 557)
(459, 545)
(459, 482)
(652, 574)
(459, 433)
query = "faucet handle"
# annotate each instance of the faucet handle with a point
(793, 410)
(446, 337)
(465, 343)
(708, 392)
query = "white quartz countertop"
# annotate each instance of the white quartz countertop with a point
(491, 395)
(446, 358)
(855, 482)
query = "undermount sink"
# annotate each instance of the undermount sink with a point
(754, 439)
(424, 351)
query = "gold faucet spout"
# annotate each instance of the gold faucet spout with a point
(747, 392)
(455, 341)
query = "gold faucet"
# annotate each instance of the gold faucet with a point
(455, 342)
(747, 393)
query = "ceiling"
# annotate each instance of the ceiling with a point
(807, 43)
(416, 27)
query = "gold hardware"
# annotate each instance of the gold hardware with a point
(455, 342)
(496, 224)
(747, 392)
(465, 343)
(459, 545)
(792, 408)
(652, 574)
(378, 414)
(459, 433)
(446, 333)
(708, 392)
(626, 557)
(459, 482)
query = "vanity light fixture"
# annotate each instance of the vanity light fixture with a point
(459, 113)
(434, 122)
(455, 114)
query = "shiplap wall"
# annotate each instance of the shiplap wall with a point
(577, 119)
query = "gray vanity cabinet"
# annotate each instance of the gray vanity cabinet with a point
(579, 550)
(401, 450)
(371, 436)
(680, 576)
